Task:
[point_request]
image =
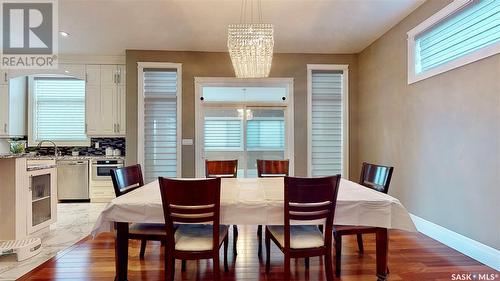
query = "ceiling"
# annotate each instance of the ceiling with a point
(109, 27)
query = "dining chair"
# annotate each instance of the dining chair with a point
(373, 176)
(267, 169)
(125, 180)
(195, 206)
(224, 169)
(307, 200)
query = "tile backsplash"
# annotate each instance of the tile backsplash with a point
(115, 143)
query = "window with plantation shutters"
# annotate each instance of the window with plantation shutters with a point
(462, 32)
(160, 123)
(58, 106)
(326, 121)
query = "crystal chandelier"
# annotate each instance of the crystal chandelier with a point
(250, 46)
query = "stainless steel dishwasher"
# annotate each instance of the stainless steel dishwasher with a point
(73, 179)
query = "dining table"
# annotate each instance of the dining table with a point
(258, 201)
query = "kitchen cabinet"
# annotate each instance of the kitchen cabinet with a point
(106, 100)
(42, 199)
(13, 108)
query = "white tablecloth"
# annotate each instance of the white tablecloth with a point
(260, 201)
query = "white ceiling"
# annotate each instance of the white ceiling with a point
(109, 27)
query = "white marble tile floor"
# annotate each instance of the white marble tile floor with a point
(74, 222)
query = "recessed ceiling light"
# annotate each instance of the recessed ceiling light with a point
(64, 33)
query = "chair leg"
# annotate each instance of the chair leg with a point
(306, 262)
(338, 253)
(287, 268)
(216, 268)
(235, 240)
(259, 236)
(359, 237)
(328, 265)
(143, 248)
(226, 246)
(268, 252)
(183, 265)
(169, 267)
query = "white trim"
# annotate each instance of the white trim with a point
(140, 109)
(455, 63)
(476, 250)
(200, 82)
(91, 59)
(345, 114)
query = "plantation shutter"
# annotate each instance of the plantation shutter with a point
(326, 138)
(160, 124)
(60, 109)
(474, 27)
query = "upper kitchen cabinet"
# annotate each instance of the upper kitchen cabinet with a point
(105, 100)
(13, 108)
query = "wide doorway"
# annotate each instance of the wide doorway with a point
(245, 120)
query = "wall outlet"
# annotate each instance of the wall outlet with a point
(96, 145)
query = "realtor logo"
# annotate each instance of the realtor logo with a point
(29, 34)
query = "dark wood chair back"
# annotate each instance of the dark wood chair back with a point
(309, 199)
(272, 168)
(221, 168)
(191, 201)
(376, 176)
(126, 179)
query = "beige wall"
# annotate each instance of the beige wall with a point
(206, 64)
(442, 134)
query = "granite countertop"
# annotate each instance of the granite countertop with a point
(10, 155)
(51, 157)
(40, 167)
(70, 157)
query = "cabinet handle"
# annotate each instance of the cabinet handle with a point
(118, 127)
(5, 76)
(5, 127)
(86, 128)
(86, 77)
(119, 76)
(114, 127)
(115, 78)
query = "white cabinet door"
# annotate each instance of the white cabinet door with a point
(93, 74)
(108, 74)
(108, 110)
(4, 77)
(92, 108)
(93, 99)
(4, 110)
(120, 110)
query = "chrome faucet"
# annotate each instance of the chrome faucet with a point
(56, 149)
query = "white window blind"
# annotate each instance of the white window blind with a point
(326, 131)
(160, 124)
(59, 110)
(223, 133)
(473, 27)
(265, 134)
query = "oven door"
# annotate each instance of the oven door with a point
(102, 172)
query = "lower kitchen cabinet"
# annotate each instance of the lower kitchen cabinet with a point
(29, 198)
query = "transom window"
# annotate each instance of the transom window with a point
(463, 32)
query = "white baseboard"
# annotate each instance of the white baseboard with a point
(478, 251)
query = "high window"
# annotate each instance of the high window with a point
(462, 32)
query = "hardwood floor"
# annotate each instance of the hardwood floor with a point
(412, 257)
